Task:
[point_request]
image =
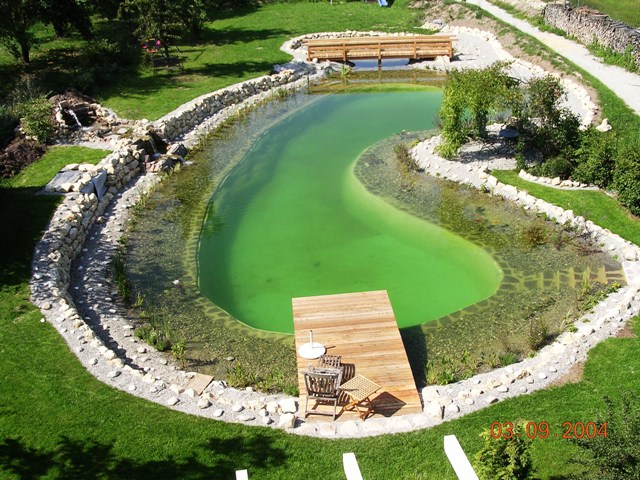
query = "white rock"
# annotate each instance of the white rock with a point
(131, 387)
(93, 361)
(502, 389)
(288, 420)
(204, 403)
(113, 374)
(190, 392)
(266, 420)
(237, 408)
(288, 405)
(177, 389)
(218, 412)
(172, 401)
(451, 409)
(490, 400)
(434, 410)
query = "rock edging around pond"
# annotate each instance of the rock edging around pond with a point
(556, 359)
(71, 281)
(102, 338)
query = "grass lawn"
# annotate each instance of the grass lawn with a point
(57, 421)
(593, 205)
(38, 174)
(626, 11)
(238, 48)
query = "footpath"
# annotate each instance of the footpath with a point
(624, 84)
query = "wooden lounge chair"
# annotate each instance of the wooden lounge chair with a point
(322, 385)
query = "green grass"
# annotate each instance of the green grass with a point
(593, 205)
(38, 174)
(626, 11)
(56, 421)
(237, 48)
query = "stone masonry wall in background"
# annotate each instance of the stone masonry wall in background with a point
(588, 26)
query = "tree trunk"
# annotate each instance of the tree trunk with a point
(24, 50)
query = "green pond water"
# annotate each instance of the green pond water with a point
(292, 220)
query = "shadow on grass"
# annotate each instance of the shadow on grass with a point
(89, 459)
(229, 36)
(23, 217)
(138, 87)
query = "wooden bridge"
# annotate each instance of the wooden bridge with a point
(418, 47)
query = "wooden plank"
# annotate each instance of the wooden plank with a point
(362, 328)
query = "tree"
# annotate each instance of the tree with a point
(16, 19)
(478, 94)
(65, 15)
(163, 20)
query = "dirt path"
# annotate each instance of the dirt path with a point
(624, 84)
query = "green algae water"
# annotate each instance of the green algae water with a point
(292, 220)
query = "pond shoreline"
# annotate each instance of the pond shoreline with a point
(130, 366)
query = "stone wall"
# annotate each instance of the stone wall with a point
(184, 119)
(67, 231)
(588, 26)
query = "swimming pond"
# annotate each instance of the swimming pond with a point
(542, 287)
(295, 221)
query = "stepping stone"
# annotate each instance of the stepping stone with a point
(199, 382)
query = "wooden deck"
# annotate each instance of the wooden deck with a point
(362, 328)
(418, 47)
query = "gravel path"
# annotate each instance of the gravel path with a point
(624, 84)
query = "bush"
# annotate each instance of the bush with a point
(627, 179)
(35, 119)
(618, 455)
(505, 458)
(596, 158)
(103, 61)
(553, 167)
(8, 123)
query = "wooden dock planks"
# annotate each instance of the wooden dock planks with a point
(362, 328)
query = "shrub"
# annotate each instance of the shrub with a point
(102, 62)
(627, 179)
(618, 455)
(8, 123)
(35, 119)
(539, 334)
(505, 458)
(507, 358)
(553, 167)
(596, 158)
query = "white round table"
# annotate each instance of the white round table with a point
(311, 350)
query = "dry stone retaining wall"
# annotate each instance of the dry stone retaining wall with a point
(588, 26)
(175, 125)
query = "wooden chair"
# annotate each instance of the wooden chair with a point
(322, 385)
(330, 361)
